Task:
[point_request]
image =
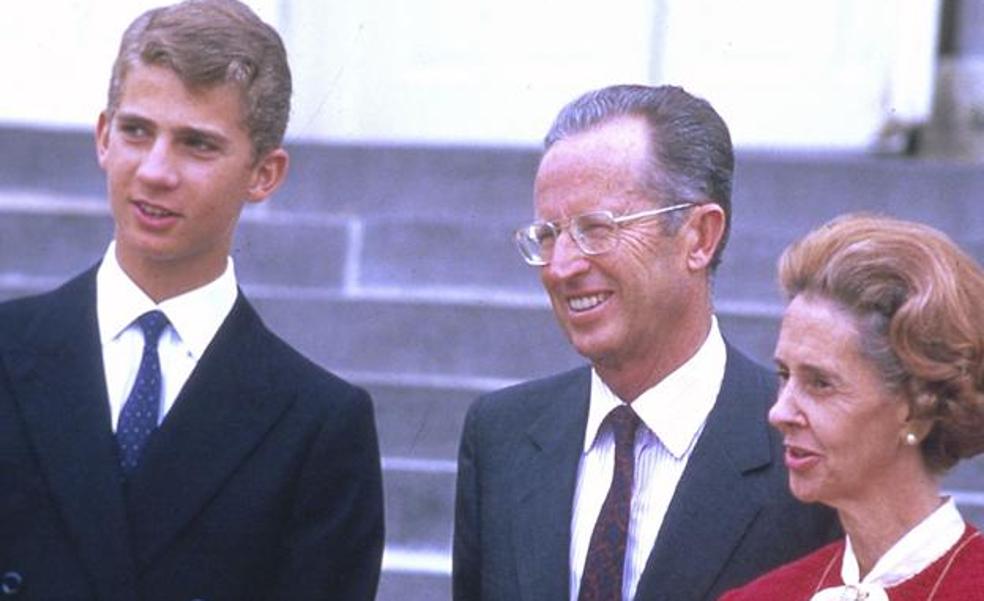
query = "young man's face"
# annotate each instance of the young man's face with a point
(179, 167)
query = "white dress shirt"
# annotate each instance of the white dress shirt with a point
(673, 414)
(194, 317)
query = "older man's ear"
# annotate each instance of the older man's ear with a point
(703, 230)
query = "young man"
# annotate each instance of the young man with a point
(157, 441)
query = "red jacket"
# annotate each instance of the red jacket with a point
(959, 573)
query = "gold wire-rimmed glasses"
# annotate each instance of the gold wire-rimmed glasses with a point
(595, 233)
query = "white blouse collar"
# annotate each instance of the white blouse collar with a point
(913, 553)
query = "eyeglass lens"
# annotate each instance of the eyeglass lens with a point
(594, 233)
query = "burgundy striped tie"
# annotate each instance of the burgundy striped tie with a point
(605, 564)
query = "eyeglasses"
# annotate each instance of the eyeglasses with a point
(594, 233)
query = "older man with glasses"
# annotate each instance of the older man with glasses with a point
(652, 473)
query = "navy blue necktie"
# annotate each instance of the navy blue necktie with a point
(605, 564)
(139, 415)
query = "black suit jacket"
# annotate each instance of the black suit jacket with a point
(731, 518)
(262, 482)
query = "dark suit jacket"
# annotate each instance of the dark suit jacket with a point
(262, 482)
(732, 516)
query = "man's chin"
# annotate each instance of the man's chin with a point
(594, 351)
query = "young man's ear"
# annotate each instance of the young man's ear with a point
(704, 230)
(102, 138)
(268, 173)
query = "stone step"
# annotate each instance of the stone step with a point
(785, 192)
(427, 336)
(438, 334)
(419, 420)
(967, 475)
(469, 338)
(467, 183)
(407, 584)
(420, 503)
(419, 508)
(789, 194)
(51, 160)
(406, 253)
(44, 235)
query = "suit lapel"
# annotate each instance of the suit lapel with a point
(58, 382)
(221, 414)
(714, 503)
(546, 476)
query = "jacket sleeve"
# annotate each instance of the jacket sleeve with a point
(333, 546)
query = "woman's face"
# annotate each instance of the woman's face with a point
(844, 430)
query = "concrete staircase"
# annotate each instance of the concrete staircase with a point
(401, 258)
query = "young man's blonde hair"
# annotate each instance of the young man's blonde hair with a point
(208, 43)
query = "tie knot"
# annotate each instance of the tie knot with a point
(624, 422)
(152, 323)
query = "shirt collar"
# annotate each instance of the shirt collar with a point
(195, 315)
(675, 409)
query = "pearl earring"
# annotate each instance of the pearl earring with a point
(911, 440)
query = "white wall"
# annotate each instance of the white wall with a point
(478, 70)
(784, 73)
(57, 56)
(829, 74)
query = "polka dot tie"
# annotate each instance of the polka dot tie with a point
(605, 564)
(139, 416)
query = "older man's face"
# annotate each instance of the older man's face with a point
(624, 305)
